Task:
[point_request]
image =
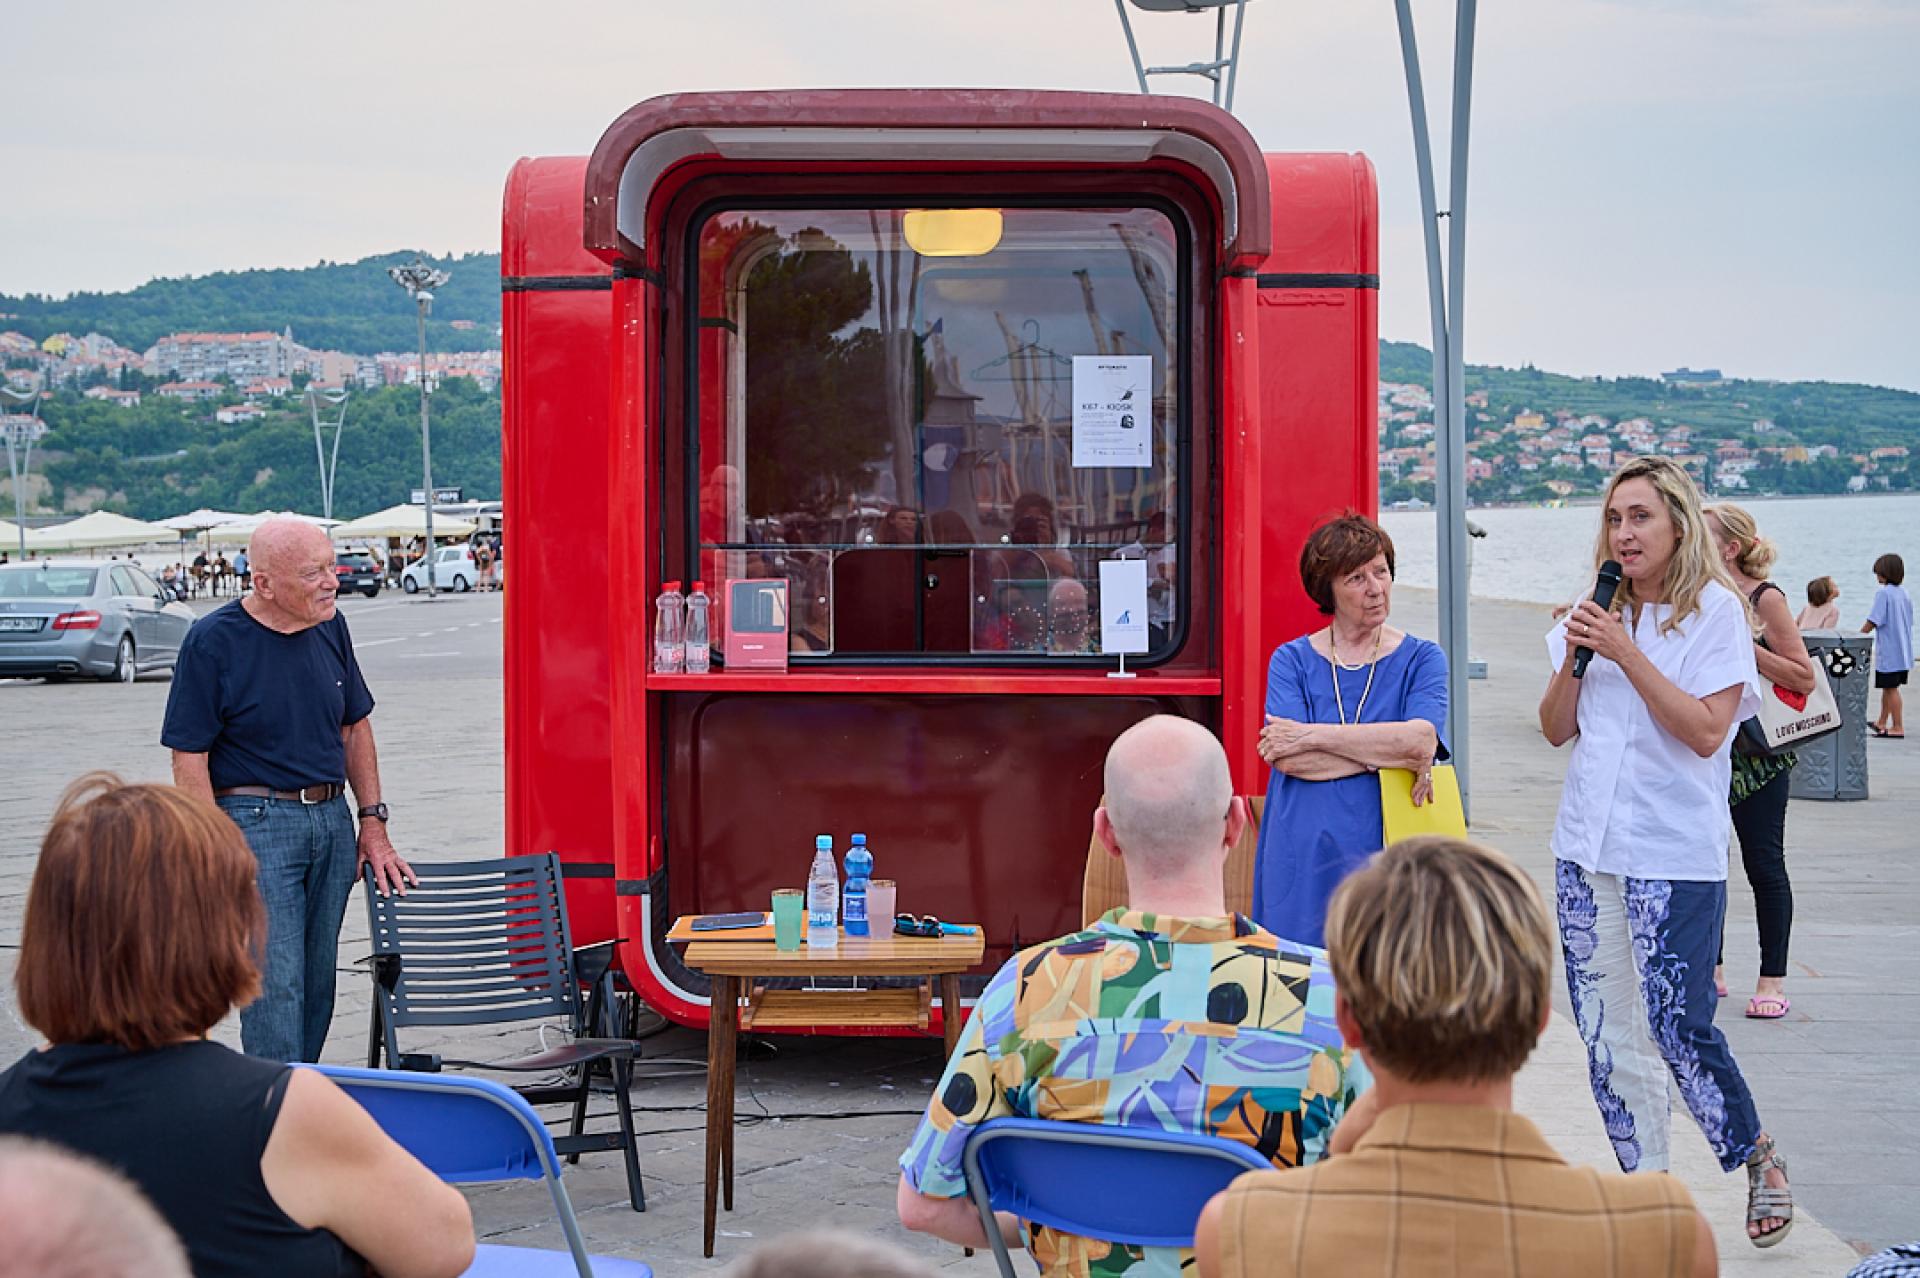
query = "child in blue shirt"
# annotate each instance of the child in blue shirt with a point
(1890, 622)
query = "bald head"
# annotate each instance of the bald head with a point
(71, 1218)
(1168, 790)
(282, 545)
(293, 579)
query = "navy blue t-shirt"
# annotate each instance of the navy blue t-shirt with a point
(264, 707)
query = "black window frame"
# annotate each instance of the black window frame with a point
(690, 323)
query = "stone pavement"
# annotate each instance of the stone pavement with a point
(1836, 1081)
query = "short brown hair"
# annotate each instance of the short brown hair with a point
(1821, 589)
(1335, 549)
(1443, 953)
(143, 923)
(1890, 568)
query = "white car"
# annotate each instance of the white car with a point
(453, 569)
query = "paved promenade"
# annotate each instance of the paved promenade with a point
(1838, 1082)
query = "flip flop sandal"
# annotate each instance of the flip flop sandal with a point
(1763, 1200)
(1760, 1001)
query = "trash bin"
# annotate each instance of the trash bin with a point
(1835, 766)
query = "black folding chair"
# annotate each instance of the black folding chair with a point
(487, 943)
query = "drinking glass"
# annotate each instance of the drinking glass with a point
(880, 899)
(789, 916)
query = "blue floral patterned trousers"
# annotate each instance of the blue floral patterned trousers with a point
(1639, 956)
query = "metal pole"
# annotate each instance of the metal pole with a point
(1445, 299)
(333, 462)
(1219, 51)
(20, 460)
(1456, 625)
(426, 442)
(19, 496)
(1233, 64)
(1133, 48)
(320, 456)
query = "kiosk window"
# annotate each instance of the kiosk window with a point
(936, 423)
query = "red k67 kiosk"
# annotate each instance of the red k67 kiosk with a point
(929, 356)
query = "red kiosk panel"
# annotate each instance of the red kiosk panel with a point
(973, 763)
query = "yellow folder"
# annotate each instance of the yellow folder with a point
(1440, 814)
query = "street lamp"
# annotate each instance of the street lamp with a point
(335, 399)
(20, 436)
(420, 280)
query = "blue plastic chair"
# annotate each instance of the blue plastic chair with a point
(1122, 1184)
(473, 1130)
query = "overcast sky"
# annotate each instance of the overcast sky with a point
(1729, 183)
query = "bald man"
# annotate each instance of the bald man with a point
(67, 1217)
(268, 718)
(1168, 1012)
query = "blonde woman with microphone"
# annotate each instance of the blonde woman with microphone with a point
(1640, 845)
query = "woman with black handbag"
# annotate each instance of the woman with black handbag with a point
(1761, 778)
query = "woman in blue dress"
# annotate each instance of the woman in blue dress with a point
(1342, 703)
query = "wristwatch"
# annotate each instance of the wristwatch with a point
(378, 811)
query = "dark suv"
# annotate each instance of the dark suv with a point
(357, 571)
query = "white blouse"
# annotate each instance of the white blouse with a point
(1638, 801)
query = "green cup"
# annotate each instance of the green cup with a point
(789, 917)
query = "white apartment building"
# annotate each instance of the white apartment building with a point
(242, 357)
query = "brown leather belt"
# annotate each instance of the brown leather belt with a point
(312, 794)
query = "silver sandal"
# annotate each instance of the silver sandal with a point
(1764, 1201)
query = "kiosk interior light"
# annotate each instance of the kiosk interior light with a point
(952, 232)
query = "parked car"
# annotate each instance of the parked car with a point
(453, 569)
(60, 618)
(357, 571)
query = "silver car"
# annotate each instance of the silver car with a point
(61, 618)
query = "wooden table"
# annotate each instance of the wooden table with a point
(731, 959)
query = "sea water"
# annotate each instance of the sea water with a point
(1545, 554)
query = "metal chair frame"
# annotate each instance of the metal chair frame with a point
(1211, 1155)
(535, 1158)
(487, 943)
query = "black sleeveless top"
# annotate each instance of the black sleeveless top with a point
(187, 1124)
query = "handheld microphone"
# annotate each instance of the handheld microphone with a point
(1603, 587)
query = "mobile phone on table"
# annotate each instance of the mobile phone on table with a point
(728, 922)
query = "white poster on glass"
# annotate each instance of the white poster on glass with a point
(1113, 410)
(1123, 605)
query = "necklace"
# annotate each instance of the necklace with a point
(1372, 667)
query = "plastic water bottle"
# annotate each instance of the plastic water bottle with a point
(699, 649)
(669, 644)
(823, 896)
(859, 870)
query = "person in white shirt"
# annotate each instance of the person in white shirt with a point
(1640, 846)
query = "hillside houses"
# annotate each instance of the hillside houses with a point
(1539, 452)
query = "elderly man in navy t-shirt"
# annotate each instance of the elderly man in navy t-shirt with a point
(268, 718)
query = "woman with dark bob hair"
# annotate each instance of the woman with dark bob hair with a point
(143, 930)
(1342, 703)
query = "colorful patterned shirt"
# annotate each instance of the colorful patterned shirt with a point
(1207, 1025)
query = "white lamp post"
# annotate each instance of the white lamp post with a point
(20, 436)
(420, 280)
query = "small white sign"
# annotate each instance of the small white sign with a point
(1123, 605)
(1113, 410)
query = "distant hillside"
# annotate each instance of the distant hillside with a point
(164, 457)
(1850, 416)
(355, 307)
(343, 306)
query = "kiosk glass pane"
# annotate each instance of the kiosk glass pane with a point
(886, 416)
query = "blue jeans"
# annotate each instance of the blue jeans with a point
(306, 854)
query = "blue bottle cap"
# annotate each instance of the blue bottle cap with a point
(823, 840)
(859, 838)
